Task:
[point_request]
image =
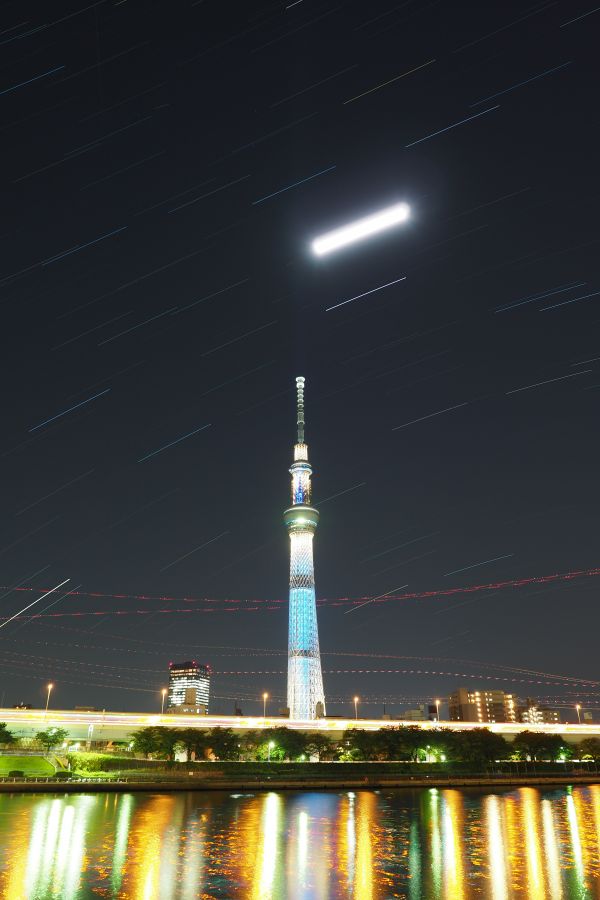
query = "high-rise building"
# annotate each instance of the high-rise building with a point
(465, 705)
(534, 714)
(189, 687)
(305, 696)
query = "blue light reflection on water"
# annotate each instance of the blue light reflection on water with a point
(433, 844)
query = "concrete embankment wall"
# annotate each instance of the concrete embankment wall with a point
(366, 783)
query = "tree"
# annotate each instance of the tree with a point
(223, 743)
(250, 741)
(51, 738)
(192, 740)
(146, 740)
(280, 743)
(589, 749)
(6, 736)
(479, 745)
(318, 744)
(406, 741)
(293, 743)
(360, 744)
(538, 746)
(167, 742)
(162, 742)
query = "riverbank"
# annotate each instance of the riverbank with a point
(245, 785)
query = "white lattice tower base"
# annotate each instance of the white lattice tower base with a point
(306, 698)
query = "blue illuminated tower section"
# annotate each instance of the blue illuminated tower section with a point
(305, 696)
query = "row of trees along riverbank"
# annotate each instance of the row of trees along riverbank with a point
(403, 743)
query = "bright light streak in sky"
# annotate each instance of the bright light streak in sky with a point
(172, 443)
(550, 380)
(362, 228)
(25, 608)
(475, 565)
(29, 81)
(70, 409)
(372, 600)
(366, 293)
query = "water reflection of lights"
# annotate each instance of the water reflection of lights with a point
(453, 837)
(551, 851)
(302, 846)
(576, 843)
(192, 875)
(496, 848)
(414, 863)
(530, 799)
(267, 852)
(16, 853)
(346, 844)
(437, 844)
(364, 859)
(56, 848)
(594, 790)
(435, 841)
(125, 805)
(147, 850)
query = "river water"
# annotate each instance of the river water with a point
(366, 845)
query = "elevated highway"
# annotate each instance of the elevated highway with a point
(106, 725)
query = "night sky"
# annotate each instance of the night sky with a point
(164, 169)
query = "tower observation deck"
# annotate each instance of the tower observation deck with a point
(305, 696)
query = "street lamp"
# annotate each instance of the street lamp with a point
(271, 745)
(162, 705)
(578, 708)
(356, 699)
(265, 698)
(437, 707)
(50, 686)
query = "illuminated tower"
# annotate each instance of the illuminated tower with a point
(305, 696)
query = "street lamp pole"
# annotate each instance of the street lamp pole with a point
(437, 707)
(265, 698)
(50, 686)
(356, 699)
(162, 705)
(271, 745)
(578, 708)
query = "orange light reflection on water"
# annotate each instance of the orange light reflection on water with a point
(363, 889)
(146, 853)
(551, 851)
(453, 836)
(496, 841)
(536, 882)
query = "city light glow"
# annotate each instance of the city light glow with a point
(362, 228)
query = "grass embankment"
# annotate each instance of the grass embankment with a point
(31, 766)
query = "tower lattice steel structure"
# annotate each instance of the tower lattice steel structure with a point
(306, 699)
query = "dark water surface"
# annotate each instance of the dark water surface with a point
(367, 845)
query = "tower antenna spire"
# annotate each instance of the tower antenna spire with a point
(300, 408)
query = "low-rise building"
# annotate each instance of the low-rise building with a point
(535, 714)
